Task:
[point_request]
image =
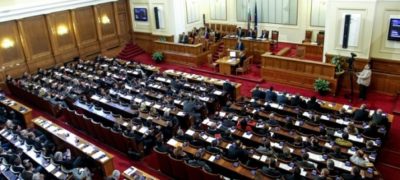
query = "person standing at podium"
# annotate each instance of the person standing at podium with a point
(363, 80)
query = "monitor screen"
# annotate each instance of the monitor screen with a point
(140, 14)
(232, 54)
(394, 30)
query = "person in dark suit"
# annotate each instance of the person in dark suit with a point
(239, 32)
(304, 162)
(371, 131)
(361, 114)
(264, 34)
(271, 169)
(295, 175)
(379, 119)
(184, 38)
(282, 99)
(213, 148)
(196, 141)
(355, 174)
(285, 155)
(239, 45)
(297, 101)
(314, 145)
(369, 147)
(213, 130)
(252, 33)
(257, 93)
(337, 154)
(272, 121)
(270, 95)
(197, 162)
(330, 165)
(228, 88)
(312, 104)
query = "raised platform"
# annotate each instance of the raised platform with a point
(254, 80)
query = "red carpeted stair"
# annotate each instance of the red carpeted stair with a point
(130, 51)
(219, 50)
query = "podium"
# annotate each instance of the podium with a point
(227, 64)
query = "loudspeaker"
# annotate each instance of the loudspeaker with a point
(156, 17)
(346, 30)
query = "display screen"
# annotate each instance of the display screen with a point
(394, 30)
(140, 14)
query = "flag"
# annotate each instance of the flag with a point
(248, 16)
(255, 17)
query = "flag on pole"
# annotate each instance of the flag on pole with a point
(255, 17)
(248, 15)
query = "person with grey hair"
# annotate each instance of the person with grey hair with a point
(330, 165)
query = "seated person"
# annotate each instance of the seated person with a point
(355, 174)
(297, 101)
(234, 151)
(263, 131)
(239, 45)
(270, 95)
(295, 175)
(337, 154)
(360, 159)
(312, 104)
(298, 142)
(114, 176)
(289, 124)
(344, 140)
(369, 147)
(314, 145)
(181, 136)
(265, 147)
(285, 155)
(243, 125)
(304, 163)
(212, 130)
(271, 120)
(351, 129)
(227, 136)
(228, 88)
(213, 148)
(196, 141)
(184, 38)
(379, 119)
(257, 93)
(361, 114)
(197, 162)
(330, 165)
(178, 153)
(371, 130)
(264, 34)
(271, 169)
(282, 99)
(324, 175)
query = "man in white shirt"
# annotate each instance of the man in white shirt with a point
(363, 80)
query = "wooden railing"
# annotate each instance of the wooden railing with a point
(186, 54)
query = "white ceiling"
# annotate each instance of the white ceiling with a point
(17, 9)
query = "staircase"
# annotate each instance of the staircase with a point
(130, 51)
(218, 51)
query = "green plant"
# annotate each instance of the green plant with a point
(338, 61)
(321, 85)
(158, 57)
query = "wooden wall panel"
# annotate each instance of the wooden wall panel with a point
(124, 24)
(37, 47)
(15, 54)
(85, 29)
(106, 26)
(64, 45)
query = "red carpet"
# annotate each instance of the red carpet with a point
(130, 51)
(389, 164)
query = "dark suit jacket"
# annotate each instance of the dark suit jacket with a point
(313, 106)
(361, 115)
(258, 94)
(293, 177)
(282, 99)
(271, 171)
(348, 176)
(240, 46)
(240, 34)
(270, 96)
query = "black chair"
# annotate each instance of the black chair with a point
(178, 166)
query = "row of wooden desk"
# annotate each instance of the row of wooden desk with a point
(198, 78)
(22, 111)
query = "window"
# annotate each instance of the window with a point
(318, 10)
(269, 11)
(218, 9)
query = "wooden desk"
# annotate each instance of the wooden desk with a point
(132, 171)
(253, 47)
(184, 54)
(23, 111)
(51, 169)
(100, 156)
(227, 65)
(200, 78)
(312, 49)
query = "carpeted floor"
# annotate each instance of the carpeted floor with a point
(389, 160)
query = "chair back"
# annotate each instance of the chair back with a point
(178, 166)
(275, 35)
(210, 176)
(308, 36)
(193, 172)
(300, 51)
(320, 38)
(164, 162)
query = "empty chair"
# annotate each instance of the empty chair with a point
(178, 168)
(246, 66)
(105, 132)
(118, 141)
(211, 63)
(308, 36)
(321, 38)
(274, 39)
(300, 52)
(96, 128)
(210, 176)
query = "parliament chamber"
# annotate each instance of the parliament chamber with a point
(192, 89)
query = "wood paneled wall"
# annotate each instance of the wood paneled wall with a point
(46, 40)
(146, 40)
